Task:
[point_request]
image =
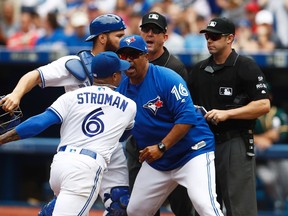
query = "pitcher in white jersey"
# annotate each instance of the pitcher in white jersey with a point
(105, 32)
(92, 119)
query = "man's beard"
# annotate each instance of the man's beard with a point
(109, 46)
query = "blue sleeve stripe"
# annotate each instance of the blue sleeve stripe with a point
(43, 85)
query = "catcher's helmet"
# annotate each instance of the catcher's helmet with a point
(9, 120)
(105, 23)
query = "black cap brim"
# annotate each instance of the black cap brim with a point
(155, 23)
(211, 31)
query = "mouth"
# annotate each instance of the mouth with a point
(130, 70)
(149, 43)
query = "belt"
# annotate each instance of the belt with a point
(225, 136)
(78, 151)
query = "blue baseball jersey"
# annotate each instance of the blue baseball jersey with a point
(162, 101)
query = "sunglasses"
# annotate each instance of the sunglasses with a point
(213, 36)
(155, 30)
(131, 56)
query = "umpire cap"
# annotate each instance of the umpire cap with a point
(220, 25)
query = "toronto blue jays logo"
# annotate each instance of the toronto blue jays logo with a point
(130, 40)
(154, 104)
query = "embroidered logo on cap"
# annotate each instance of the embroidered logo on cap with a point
(212, 24)
(130, 40)
(153, 16)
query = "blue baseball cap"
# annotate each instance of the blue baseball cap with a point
(133, 42)
(107, 63)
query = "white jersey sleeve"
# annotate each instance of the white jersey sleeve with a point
(94, 118)
(55, 74)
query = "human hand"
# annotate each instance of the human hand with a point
(150, 154)
(215, 116)
(9, 102)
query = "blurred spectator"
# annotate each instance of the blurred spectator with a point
(92, 11)
(232, 9)
(38, 23)
(202, 7)
(193, 40)
(71, 4)
(44, 7)
(251, 9)
(8, 22)
(79, 22)
(270, 129)
(279, 9)
(244, 41)
(26, 37)
(215, 9)
(175, 41)
(54, 37)
(123, 10)
(265, 35)
(106, 6)
(140, 6)
(134, 24)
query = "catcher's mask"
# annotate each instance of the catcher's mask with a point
(9, 120)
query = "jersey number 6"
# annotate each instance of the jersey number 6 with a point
(92, 124)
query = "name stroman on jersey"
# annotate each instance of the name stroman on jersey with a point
(102, 98)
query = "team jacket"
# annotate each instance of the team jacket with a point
(163, 100)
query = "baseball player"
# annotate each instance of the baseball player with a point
(175, 142)
(92, 121)
(73, 72)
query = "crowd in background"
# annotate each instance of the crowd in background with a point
(261, 26)
(50, 24)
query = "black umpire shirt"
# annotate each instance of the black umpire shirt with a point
(233, 84)
(170, 61)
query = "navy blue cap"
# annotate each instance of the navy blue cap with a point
(133, 42)
(107, 63)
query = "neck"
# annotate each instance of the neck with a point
(155, 55)
(107, 85)
(220, 58)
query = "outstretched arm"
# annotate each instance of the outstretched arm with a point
(31, 127)
(25, 84)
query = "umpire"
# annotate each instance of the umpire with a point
(154, 32)
(234, 91)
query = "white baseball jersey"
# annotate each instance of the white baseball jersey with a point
(94, 118)
(55, 74)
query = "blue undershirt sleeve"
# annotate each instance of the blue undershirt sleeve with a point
(125, 135)
(36, 124)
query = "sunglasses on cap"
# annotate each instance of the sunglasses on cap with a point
(132, 56)
(155, 30)
(214, 36)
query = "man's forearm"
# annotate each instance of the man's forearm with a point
(9, 137)
(27, 82)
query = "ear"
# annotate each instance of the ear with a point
(166, 36)
(115, 76)
(102, 38)
(230, 38)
